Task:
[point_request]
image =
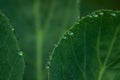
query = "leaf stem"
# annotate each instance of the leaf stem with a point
(101, 73)
(39, 40)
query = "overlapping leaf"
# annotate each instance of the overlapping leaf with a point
(11, 58)
(90, 50)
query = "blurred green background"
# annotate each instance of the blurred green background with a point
(40, 23)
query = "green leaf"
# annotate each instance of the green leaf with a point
(53, 17)
(90, 50)
(11, 58)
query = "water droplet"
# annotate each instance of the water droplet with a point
(47, 67)
(64, 37)
(90, 16)
(113, 14)
(101, 13)
(95, 15)
(20, 53)
(70, 33)
(13, 29)
(56, 45)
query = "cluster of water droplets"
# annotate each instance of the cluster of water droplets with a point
(47, 65)
(70, 33)
(95, 15)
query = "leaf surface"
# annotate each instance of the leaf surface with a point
(11, 58)
(90, 50)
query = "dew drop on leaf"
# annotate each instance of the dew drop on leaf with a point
(90, 16)
(113, 14)
(95, 15)
(101, 13)
(20, 53)
(13, 29)
(70, 33)
(47, 67)
(64, 37)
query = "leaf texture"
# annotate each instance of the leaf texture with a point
(11, 58)
(90, 50)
